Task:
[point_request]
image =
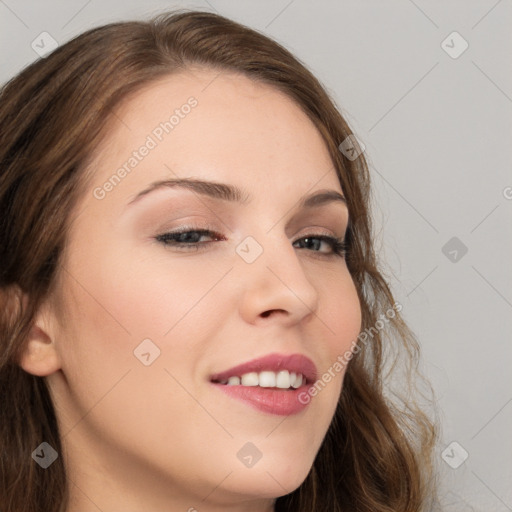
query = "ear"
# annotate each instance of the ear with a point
(39, 355)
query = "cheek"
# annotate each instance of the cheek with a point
(120, 304)
(127, 307)
(340, 318)
(341, 313)
(129, 296)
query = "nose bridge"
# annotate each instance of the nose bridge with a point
(273, 278)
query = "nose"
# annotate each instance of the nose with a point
(275, 286)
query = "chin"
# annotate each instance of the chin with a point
(265, 483)
(270, 477)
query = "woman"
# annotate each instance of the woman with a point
(192, 314)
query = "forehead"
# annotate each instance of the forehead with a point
(215, 125)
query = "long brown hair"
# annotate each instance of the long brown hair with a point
(376, 456)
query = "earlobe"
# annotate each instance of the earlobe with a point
(39, 356)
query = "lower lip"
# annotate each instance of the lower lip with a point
(281, 402)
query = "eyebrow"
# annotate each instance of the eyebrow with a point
(232, 193)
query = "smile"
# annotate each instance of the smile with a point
(283, 379)
(271, 384)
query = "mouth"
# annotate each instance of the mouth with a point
(282, 379)
(272, 384)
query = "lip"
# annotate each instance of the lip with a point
(297, 363)
(275, 401)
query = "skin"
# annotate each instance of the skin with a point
(161, 437)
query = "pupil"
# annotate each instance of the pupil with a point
(189, 237)
(312, 242)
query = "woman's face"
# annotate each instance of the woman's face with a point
(150, 331)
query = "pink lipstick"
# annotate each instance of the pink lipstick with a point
(271, 384)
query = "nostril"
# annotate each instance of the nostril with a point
(265, 314)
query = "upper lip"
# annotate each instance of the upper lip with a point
(297, 363)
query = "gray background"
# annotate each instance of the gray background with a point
(437, 131)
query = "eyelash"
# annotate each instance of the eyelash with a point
(338, 245)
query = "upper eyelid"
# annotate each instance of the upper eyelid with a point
(208, 227)
(319, 205)
(216, 233)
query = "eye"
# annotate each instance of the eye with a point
(336, 246)
(188, 238)
(193, 239)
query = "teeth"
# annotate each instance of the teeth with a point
(268, 379)
(250, 379)
(297, 383)
(283, 379)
